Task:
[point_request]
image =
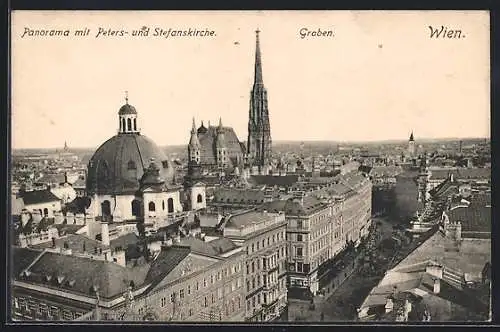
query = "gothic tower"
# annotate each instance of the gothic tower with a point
(259, 129)
(194, 146)
(220, 146)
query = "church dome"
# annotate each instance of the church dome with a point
(127, 109)
(118, 165)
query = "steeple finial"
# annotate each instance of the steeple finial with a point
(194, 125)
(411, 136)
(126, 97)
(258, 61)
(220, 122)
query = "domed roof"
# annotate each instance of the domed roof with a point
(127, 109)
(119, 163)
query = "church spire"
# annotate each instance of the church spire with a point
(411, 136)
(258, 60)
(193, 128)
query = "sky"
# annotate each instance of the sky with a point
(379, 77)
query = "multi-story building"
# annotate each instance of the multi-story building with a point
(176, 284)
(322, 223)
(262, 235)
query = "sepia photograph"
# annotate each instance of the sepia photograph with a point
(250, 166)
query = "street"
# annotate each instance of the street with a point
(341, 304)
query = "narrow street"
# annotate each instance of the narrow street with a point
(341, 304)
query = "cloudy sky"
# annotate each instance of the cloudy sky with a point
(378, 78)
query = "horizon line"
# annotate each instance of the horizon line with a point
(281, 141)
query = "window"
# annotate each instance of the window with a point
(189, 290)
(212, 279)
(199, 198)
(253, 267)
(299, 224)
(191, 312)
(181, 293)
(172, 297)
(163, 205)
(170, 205)
(248, 285)
(131, 165)
(264, 263)
(197, 285)
(151, 206)
(253, 247)
(299, 252)
(204, 282)
(248, 268)
(263, 243)
(299, 237)
(205, 304)
(213, 298)
(300, 267)
(163, 302)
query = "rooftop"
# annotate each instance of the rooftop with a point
(249, 218)
(38, 196)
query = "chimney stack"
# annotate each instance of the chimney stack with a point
(437, 286)
(105, 233)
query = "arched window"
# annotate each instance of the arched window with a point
(199, 198)
(163, 205)
(151, 206)
(136, 208)
(170, 204)
(131, 165)
(129, 124)
(135, 125)
(106, 208)
(45, 212)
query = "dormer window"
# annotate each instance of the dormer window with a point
(164, 163)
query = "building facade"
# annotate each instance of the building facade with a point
(262, 235)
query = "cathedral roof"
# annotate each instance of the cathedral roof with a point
(119, 163)
(207, 144)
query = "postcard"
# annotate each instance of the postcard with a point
(250, 166)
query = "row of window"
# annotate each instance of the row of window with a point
(255, 264)
(261, 244)
(24, 306)
(266, 297)
(182, 293)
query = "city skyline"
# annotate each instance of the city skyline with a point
(172, 81)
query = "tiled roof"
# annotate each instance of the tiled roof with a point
(223, 245)
(22, 258)
(51, 178)
(123, 241)
(275, 180)
(248, 218)
(236, 195)
(473, 218)
(207, 142)
(445, 189)
(75, 243)
(166, 261)
(461, 173)
(38, 196)
(199, 246)
(79, 274)
(385, 171)
(309, 206)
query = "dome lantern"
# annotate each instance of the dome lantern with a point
(127, 118)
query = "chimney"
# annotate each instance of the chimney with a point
(389, 305)
(105, 233)
(458, 231)
(437, 286)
